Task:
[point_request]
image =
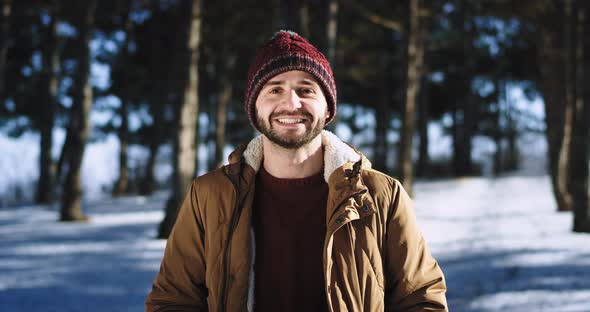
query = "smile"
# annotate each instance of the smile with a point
(290, 120)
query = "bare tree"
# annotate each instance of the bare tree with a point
(332, 30)
(158, 91)
(565, 147)
(464, 111)
(423, 166)
(4, 40)
(225, 63)
(384, 103)
(49, 84)
(186, 115)
(296, 16)
(121, 185)
(580, 152)
(414, 75)
(223, 99)
(79, 127)
(551, 60)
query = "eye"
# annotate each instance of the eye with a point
(275, 91)
(306, 91)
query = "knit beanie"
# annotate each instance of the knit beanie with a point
(287, 51)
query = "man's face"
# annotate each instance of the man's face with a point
(291, 109)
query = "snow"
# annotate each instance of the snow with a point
(500, 243)
(107, 264)
(100, 164)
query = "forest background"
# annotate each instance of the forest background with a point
(427, 89)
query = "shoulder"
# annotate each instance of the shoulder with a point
(213, 195)
(386, 191)
(214, 181)
(380, 183)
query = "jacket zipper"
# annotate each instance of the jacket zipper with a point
(234, 221)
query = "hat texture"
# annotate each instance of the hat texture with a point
(287, 51)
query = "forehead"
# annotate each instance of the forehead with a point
(293, 76)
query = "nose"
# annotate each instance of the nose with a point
(293, 100)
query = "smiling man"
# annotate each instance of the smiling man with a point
(298, 220)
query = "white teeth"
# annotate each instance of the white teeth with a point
(290, 121)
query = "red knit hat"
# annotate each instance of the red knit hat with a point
(287, 51)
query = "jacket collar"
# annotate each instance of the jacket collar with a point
(336, 155)
(342, 171)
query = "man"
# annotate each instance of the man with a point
(298, 220)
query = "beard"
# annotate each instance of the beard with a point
(290, 141)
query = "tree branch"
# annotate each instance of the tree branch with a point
(373, 17)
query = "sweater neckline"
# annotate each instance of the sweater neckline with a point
(315, 179)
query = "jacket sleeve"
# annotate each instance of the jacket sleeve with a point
(414, 281)
(180, 284)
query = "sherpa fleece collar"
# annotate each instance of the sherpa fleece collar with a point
(336, 153)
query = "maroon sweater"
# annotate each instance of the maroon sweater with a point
(289, 222)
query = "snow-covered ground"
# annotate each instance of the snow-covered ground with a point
(499, 241)
(502, 245)
(105, 265)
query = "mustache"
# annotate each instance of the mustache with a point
(302, 114)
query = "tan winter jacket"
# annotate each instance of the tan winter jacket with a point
(375, 258)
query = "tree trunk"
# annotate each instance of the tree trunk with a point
(147, 184)
(290, 11)
(580, 154)
(304, 19)
(414, 74)
(157, 105)
(551, 61)
(44, 192)
(225, 62)
(498, 163)
(382, 125)
(463, 162)
(423, 166)
(49, 85)
(498, 166)
(423, 117)
(470, 117)
(79, 128)
(224, 97)
(512, 159)
(148, 181)
(121, 186)
(4, 40)
(157, 101)
(296, 13)
(465, 113)
(565, 148)
(332, 31)
(382, 107)
(277, 15)
(512, 154)
(462, 136)
(184, 151)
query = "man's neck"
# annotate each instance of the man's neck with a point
(293, 163)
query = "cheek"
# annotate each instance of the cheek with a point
(260, 109)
